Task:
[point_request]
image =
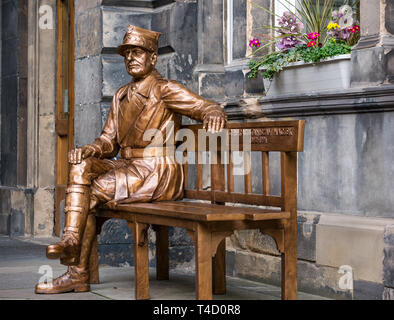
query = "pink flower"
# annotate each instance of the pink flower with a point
(311, 44)
(254, 43)
(313, 35)
(353, 29)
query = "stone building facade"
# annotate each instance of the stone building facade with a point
(28, 73)
(345, 198)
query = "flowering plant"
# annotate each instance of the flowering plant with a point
(344, 26)
(290, 28)
(254, 43)
(309, 33)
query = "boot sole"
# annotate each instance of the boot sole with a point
(76, 288)
(52, 253)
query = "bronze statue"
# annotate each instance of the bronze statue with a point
(147, 102)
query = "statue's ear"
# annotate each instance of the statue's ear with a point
(153, 58)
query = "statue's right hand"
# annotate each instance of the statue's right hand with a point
(75, 156)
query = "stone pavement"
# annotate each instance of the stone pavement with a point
(21, 259)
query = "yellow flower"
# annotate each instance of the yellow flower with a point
(332, 25)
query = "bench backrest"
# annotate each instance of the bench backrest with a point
(286, 137)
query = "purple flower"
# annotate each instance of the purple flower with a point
(289, 25)
(288, 43)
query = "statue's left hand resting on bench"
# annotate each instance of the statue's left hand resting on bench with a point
(148, 102)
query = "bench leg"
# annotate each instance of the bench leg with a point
(219, 269)
(141, 260)
(162, 260)
(93, 259)
(202, 246)
(93, 263)
(289, 263)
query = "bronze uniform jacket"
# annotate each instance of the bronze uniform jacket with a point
(140, 108)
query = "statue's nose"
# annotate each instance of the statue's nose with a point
(129, 56)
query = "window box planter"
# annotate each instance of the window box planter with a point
(301, 78)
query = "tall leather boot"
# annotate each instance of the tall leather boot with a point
(68, 249)
(77, 277)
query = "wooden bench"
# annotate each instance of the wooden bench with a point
(210, 223)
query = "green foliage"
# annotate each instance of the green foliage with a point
(330, 49)
(276, 61)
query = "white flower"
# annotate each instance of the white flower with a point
(345, 22)
(346, 17)
(346, 10)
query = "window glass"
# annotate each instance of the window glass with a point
(282, 6)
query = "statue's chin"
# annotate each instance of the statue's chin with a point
(138, 74)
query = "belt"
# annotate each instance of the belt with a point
(129, 153)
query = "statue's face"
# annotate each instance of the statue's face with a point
(139, 62)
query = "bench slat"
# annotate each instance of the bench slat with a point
(202, 211)
(221, 196)
(230, 176)
(248, 174)
(199, 172)
(179, 211)
(253, 214)
(265, 172)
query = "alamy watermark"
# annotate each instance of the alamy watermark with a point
(45, 20)
(203, 147)
(47, 275)
(346, 281)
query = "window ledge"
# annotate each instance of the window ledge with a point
(352, 100)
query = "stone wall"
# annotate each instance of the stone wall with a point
(41, 161)
(27, 177)
(373, 56)
(14, 87)
(13, 109)
(331, 248)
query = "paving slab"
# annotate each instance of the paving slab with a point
(22, 258)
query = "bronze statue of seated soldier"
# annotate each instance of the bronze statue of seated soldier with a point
(147, 102)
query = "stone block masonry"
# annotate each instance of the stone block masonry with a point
(27, 120)
(342, 257)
